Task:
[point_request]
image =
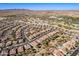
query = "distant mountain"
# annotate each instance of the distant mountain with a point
(6, 12)
(16, 10)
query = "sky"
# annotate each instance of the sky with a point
(40, 6)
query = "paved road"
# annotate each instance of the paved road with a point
(75, 52)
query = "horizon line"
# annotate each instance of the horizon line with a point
(41, 9)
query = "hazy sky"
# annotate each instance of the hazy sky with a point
(40, 6)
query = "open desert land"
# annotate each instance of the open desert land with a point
(25, 32)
